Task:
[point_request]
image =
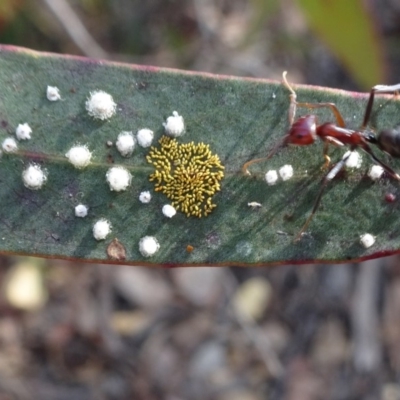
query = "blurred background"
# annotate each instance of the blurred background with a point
(316, 332)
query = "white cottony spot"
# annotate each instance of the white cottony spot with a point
(148, 246)
(168, 210)
(145, 137)
(271, 177)
(34, 177)
(53, 93)
(100, 105)
(9, 145)
(354, 160)
(81, 210)
(375, 172)
(101, 229)
(367, 240)
(23, 132)
(175, 125)
(118, 178)
(125, 143)
(145, 197)
(286, 172)
(79, 156)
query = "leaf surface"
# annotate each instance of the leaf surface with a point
(238, 118)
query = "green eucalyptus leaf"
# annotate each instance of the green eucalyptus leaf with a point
(348, 28)
(238, 118)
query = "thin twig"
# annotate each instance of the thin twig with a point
(75, 28)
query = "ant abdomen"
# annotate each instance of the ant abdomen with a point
(389, 141)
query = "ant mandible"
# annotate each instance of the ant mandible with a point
(305, 130)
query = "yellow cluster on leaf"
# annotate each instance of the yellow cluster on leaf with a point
(188, 174)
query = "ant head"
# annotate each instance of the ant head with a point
(303, 131)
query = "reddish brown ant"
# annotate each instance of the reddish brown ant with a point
(305, 130)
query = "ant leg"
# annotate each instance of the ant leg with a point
(326, 157)
(245, 167)
(294, 104)
(389, 170)
(292, 96)
(332, 106)
(328, 177)
(378, 89)
(368, 109)
(327, 141)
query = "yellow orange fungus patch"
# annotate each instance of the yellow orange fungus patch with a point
(188, 174)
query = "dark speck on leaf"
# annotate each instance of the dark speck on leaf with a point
(288, 217)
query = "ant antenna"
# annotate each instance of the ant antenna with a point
(293, 96)
(286, 83)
